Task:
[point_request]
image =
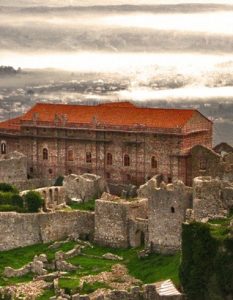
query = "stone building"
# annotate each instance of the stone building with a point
(119, 141)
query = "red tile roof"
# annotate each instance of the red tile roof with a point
(109, 114)
(11, 124)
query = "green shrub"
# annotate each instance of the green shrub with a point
(6, 187)
(17, 200)
(33, 201)
(7, 207)
(6, 198)
(59, 181)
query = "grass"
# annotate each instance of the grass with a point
(89, 205)
(220, 228)
(19, 257)
(46, 295)
(153, 268)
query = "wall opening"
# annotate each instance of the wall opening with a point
(3, 148)
(172, 210)
(139, 238)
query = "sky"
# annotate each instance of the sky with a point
(191, 44)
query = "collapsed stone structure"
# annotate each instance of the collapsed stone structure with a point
(84, 187)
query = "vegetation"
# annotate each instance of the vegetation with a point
(33, 201)
(148, 270)
(89, 205)
(59, 181)
(10, 200)
(206, 270)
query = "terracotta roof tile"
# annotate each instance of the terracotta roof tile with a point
(112, 114)
(11, 124)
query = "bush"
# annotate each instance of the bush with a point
(17, 200)
(33, 201)
(7, 207)
(6, 187)
(6, 198)
(59, 181)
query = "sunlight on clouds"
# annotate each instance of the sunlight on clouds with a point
(116, 62)
(211, 22)
(186, 93)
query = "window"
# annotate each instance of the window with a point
(70, 155)
(109, 159)
(3, 148)
(172, 210)
(203, 164)
(31, 170)
(88, 157)
(50, 171)
(45, 154)
(126, 160)
(108, 175)
(153, 162)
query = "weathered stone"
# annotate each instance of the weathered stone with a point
(10, 272)
(167, 209)
(20, 230)
(13, 167)
(111, 256)
(85, 187)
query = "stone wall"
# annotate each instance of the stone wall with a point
(20, 230)
(13, 167)
(167, 210)
(53, 196)
(206, 162)
(32, 184)
(211, 197)
(112, 219)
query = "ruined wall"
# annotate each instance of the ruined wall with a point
(112, 219)
(20, 230)
(211, 197)
(167, 209)
(13, 167)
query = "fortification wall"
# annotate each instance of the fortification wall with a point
(13, 167)
(211, 197)
(20, 230)
(167, 208)
(111, 224)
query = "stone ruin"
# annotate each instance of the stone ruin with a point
(84, 187)
(13, 167)
(119, 284)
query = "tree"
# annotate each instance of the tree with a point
(33, 201)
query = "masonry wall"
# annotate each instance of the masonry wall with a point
(167, 209)
(20, 230)
(13, 167)
(211, 198)
(111, 224)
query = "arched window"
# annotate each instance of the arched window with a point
(153, 162)
(203, 164)
(126, 160)
(45, 154)
(3, 148)
(88, 157)
(172, 210)
(109, 159)
(70, 155)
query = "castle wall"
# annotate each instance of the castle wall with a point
(167, 208)
(20, 230)
(13, 167)
(211, 197)
(113, 219)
